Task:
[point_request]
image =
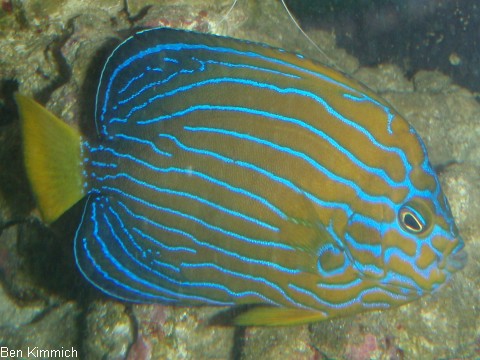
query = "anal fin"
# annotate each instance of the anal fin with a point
(276, 316)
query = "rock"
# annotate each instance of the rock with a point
(54, 329)
(108, 331)
(281, 343)
(166, 332)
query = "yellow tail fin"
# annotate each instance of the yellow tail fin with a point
(52, 153)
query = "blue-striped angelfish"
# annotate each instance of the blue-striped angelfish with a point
(227, 172)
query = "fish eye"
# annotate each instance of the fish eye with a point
(411, 220)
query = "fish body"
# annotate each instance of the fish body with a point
(227, 172)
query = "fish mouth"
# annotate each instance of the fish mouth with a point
(457, 261)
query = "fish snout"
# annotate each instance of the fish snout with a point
(457, 260)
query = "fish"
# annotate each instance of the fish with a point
(225, 172)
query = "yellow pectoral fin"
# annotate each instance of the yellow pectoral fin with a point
(52, 155)
(273, 316)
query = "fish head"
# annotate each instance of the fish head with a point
(413, 247)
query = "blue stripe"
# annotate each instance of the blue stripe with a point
(151, 144)
(250, 67)
(104, 164)
(134, 277)
(182, 47)
(346, 304)
(189, 196)
(158, 243)
(247, 260)
(324, 274)
(155, 84)
(203, 66)
(424, 273)
(120, 285)
(98, 268)
(286, 150)
(142, 250)
(141, 75)
(243, 276)
(166, 266)
(130, 82)
(377, 171)
(340, 286)
(189, 172)
(323, 302)
(375, 249)
(386, 109)
(407, 283)
(183, 264)
(265, 243)
(162, 275)
(385, 305)
(328, 204)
